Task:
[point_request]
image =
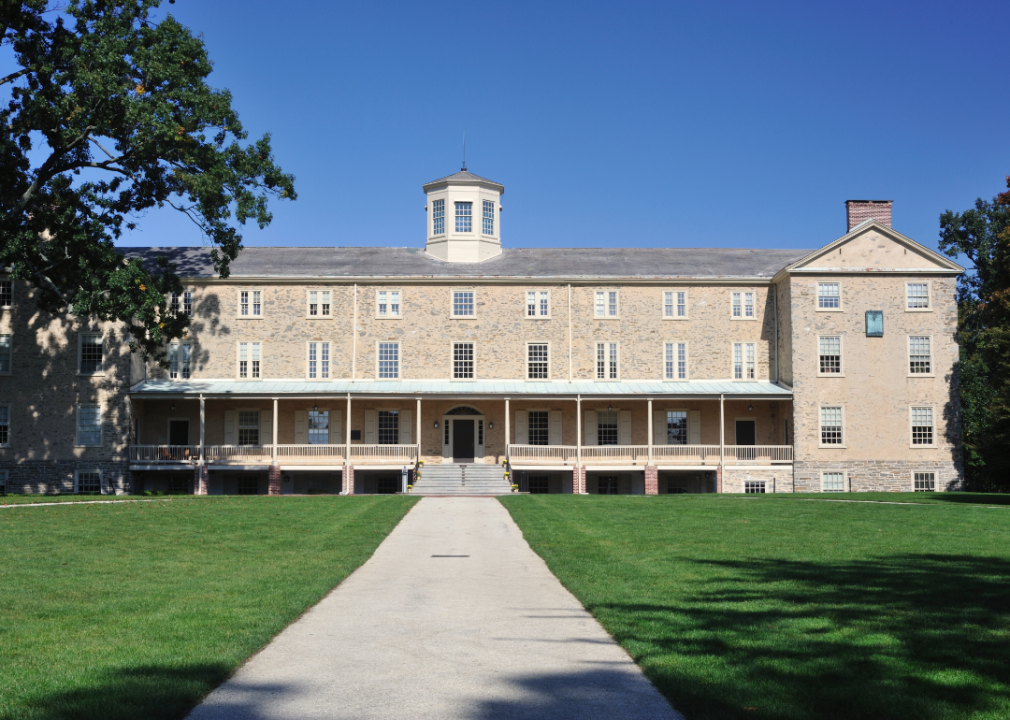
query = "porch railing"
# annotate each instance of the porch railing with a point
(164, 453)
(384, 452)
(310, 452)
(627, 453)
(759, 453)
(686, 453)
(542, 453)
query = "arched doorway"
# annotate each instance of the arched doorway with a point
(463, 435)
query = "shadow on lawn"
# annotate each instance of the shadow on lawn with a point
(916, 636)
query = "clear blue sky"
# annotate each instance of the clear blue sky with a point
(615, 124)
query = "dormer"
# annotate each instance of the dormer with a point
(464, 217)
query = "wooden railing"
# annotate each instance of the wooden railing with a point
(759, 453)
(384, 452)
(542, 454)
(237, 453)
(164, 453)
(310, 452)
(613, 453)
(708, 454)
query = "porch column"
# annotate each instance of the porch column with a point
(347, 476)
(722, 442)
(274, 478)
(508, 427)
(650, 431)
(578, 489)
(418, 426)
(203, 416)
(273, 454)
(651, 473)
(200, 476)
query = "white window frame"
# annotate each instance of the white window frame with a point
(929, 295)
(389, 304)
(817, 296)
(177, 345)
(484, 206)
(841, 357)
(676, 361)
(548, 346)
(80, 349)
(378, 360)
(908, 359)
(10, 353)
(328, 292)
(843, 473)
(319, 360)
(452, 303)
(452, 360)
(911, 409)
(820, 428)
(924, 472)
(238, 360)
(537, 304)
(77, 425)
(467, 219)
(251, 303)
(606, 304)
(596, 353)
(675, 304)
(434, 207)
(96, 471)
(10, 412)
(743, 356)
(743, 304)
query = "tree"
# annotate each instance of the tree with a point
(983, 236)
(108, 116)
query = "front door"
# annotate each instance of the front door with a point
(745, 432)
(178, 432)
(462, 440)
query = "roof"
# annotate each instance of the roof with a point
(510, 388)
(540, 263)
(464, 177)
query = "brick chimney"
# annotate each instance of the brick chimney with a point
(857, 211)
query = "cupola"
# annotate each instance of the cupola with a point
(464, 212)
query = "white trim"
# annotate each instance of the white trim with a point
(596, 352)
(817, 295)
(452, 360)
(743, 360)
(845, 480)
(841, 356)
(257, 467)
(538, 316)
(252, 304)
(80, 348)
(615, 468)
(931, 472)
(549, 368)
(238, 356)
(388, 316)
(687, 361)
(399, 360)
(920, 446)
(908, 357)
(101, 479)
(319, 376)
(929, 297)
(687, 304)
(452, 303)
(845, 434)
(743, 292)
(320, 316)
(606, 306)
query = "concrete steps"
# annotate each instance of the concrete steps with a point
(462, 480)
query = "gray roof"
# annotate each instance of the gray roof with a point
(541, 263)
(511, 388)
(463, 176)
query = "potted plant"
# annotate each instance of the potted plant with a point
(515, 487)
(410, 488)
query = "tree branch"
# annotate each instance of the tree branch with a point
(14, 76)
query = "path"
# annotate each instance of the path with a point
(453, 617)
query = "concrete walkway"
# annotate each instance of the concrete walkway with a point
(453, 617)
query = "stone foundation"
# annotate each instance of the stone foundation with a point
(58, 476)
(879, 475)
(775, 479)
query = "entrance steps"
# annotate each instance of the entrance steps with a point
(462, 480)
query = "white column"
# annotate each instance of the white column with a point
(203, 416)
(418, 430)
(722, 437)
(650, 431)
(508, 427)
(347, 430)
(578, 438)
(274, 439)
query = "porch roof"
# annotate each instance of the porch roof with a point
(456, 388)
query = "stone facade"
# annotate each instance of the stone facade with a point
(879, 475)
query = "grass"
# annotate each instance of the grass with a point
(64, 498)
(762, 607)
(137, 610)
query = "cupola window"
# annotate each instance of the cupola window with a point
(464, 217)
(488, 217)
(438, 217)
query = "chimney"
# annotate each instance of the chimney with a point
(857, 211)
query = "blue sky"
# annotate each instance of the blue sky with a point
(614, 124)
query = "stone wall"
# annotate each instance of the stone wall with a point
(879, 475)
(57, 476)
(776, 480)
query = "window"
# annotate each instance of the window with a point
(187, 303)
(5, 354)
(89, 425)
(5, 425)
(319, 303)
(462, 361)
(743, 361)
(91, 354)
(250, 303)
(919, 359)
(829, 296)
(249, 360)
(924, 482)
(606, 303)
(743, 305)
(606, 427)
(389, 427)
(538, 303)
(480, 432)
(608, 485)
(89, 482)
(922, 426)
(676, 427)
(833, 482)
(438, 217)
(675, 304)
(830, 355)
(248, 485)
(319, 427)
(917, 296)
(537, 365)
(676, 361)
(389, 361)
(319, 361)
(179, 354)
(539, 485)
(754, 486)
(606, 361)
(248, 427)
(462, 303)
(464, 213)
(6, 293)
(488, 227)
(831, 426)
(388, 303)
(539, 427)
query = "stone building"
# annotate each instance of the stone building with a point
(643, 371)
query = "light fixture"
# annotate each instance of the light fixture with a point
(610, 408)
(436, 424)
(172, 408)
(490, 426)
(750, 408)
(315, 407)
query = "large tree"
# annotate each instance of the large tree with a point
(982, 234)
(108, 114)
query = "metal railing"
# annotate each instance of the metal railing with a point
(759, 453)
(164, 453)
(384, 452)
(542, 453)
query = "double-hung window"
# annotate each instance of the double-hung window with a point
(389, 361)
(924, 482)
(182, 304)
(538, 303)
(250, 303)
(5, 354)
(743, 361)
(387, 303)
(319, 303)
(829, 354)
(675, 304)
(438, 217)
(89, 482)
(743, 305)
(89, 425)
(676, 427)
(319, 427)
(462, 303)
(917, 296)
(537, 361)
(920, 360)
(462, 361)
(91, 354)
(675, 361)
(319, 361)
(179, 354)
(833, 482)
(464, 217)
(5, 425)
(922, 426)
(488, 226)
(389, 427)
(539, 427)
(6, 293)
(831, 426)
(829, 296)
(606, 303)
(248, 427)
(606, 361)
(249, 360)
(606, 427)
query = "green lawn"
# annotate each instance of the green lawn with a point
(137, 610)
(767, 607)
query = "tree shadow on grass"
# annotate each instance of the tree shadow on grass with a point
(915, 636)
(973, 498)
